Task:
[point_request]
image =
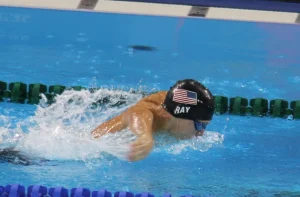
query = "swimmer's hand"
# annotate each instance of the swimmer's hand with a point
(141, 147)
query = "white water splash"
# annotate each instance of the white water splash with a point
(63, 129)
(7, 137)
(202, 143)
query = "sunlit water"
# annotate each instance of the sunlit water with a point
(237, 156)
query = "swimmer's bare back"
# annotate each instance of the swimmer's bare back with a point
(144, 118)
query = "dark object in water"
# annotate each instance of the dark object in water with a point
(16, 157)
(142, 48)
(13, 156)
(112, 102)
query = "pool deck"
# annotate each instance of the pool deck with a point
(124, 7)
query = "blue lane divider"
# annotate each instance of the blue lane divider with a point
(80, 192)
(187, 196)
(1, 190)
(58, 192)
(36, 191)
(144, 194)
(123, 194)
(16, 190)
(101, 193)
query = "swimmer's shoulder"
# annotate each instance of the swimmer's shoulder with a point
(157, 97)
(153, 100)
(160, 93)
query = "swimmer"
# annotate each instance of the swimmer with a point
(184, 112)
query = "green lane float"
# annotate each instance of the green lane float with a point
(56, 89)
(77, 88)
(295, 106)
(16, 92)
(221, 104)
(35, 90)
(3, 87)
(53, 91)
(278, 108)
(238, 106)
(7, 94)
(259, 106)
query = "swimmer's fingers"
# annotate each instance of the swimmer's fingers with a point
(140, 149)
(138, 154)
(142, 142)
(139, 143)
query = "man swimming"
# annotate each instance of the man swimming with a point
(184, 112)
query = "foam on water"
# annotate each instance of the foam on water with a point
(174, 146)
(8, 137)
(62, 130)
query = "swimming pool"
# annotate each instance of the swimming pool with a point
(239, 156)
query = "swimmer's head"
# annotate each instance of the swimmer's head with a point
(189, 99)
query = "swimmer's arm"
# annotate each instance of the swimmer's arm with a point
(140, 121)
(110, 126)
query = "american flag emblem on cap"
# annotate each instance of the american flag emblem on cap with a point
(185, 97)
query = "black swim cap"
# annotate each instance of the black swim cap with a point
(189, 99)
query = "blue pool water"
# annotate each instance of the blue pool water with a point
(238, 156)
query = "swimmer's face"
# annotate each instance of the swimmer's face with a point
(200, 124)
(187, 128)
